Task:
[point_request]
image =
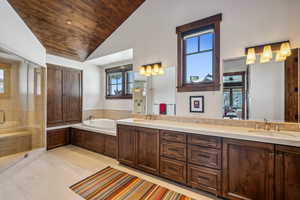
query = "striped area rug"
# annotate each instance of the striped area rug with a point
(112, 184)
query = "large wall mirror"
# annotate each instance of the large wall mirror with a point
(155, 95)
(261, 91)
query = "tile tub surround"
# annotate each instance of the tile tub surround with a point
(15, 142)
(50, 175)
(243, 133)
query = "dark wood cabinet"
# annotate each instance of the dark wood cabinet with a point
(64, 95)
(147, 147)
(204, 178)
(173, 170)
(110, 146)
(97, 142)
(139, 148)
(287, 173)
(248, 170)
(72, 97)
(54, 95)
(173, 150)
(203, 156)
(57, 138)
(230, 168)
(127, 145)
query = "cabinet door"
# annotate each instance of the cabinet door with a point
(78, 138)
(54, 95)
(72, 91)
(110, 146)
(248, 170)
(287, 173)
(148, 150)
(57, 138)
(127, 145)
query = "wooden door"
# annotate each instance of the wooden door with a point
(72, 95)
(54, 95)
(248, 170)
(148, 150)
(292, 87)
(287, 183)
(127, 145)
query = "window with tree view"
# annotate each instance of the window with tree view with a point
(119, 82)
(4, 80)
(199, 55)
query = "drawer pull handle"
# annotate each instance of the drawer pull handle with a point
(173, 149)
(172, 169)
(203, 177)
(203, 155)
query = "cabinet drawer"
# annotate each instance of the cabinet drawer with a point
(204, 179)
(203, 156)
(173, 136)
(173, 170)
(56, 138)
(173, 150)
(205, 141)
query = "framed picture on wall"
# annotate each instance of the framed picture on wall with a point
(197, 104)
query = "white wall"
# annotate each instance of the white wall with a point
(114, 104)
(92, 83)
(150, 31)
(266, 91)
(16, 37)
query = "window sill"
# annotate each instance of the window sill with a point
(199, 88)
(119, 97)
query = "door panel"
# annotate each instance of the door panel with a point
(148, 149)
(248, 170)
(287, 173)
(72, 95)
(127, 145)
(54, 95)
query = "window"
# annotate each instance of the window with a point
(198, 55)
(4, 80)
(119, 82)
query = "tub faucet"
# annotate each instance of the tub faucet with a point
(2, 117)
(90, 117)
(267, 125)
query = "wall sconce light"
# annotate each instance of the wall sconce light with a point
(152, 69)
(251, 56)
(267, 54)
(282, 49)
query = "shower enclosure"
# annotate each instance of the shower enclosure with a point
(22, 108)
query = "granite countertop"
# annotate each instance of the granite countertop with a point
(259, 135)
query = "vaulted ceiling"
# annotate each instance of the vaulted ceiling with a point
(74, 28)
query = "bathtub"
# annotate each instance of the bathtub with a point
(105, 126)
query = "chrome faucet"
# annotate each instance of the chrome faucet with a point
(2, 116)
(90, 117)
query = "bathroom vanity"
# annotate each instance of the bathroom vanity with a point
(230, 162)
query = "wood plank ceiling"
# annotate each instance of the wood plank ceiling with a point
(74, 28)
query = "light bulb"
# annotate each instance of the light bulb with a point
(142, 70)
(161, 71)
(251, 56)
(149, 69)
(280, 57)
(285, 49)
(156, 68)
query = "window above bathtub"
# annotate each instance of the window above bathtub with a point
(4, 80)
(119, 82)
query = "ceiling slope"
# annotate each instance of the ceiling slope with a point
(74, 29)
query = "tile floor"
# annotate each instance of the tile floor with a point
(49, 175)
